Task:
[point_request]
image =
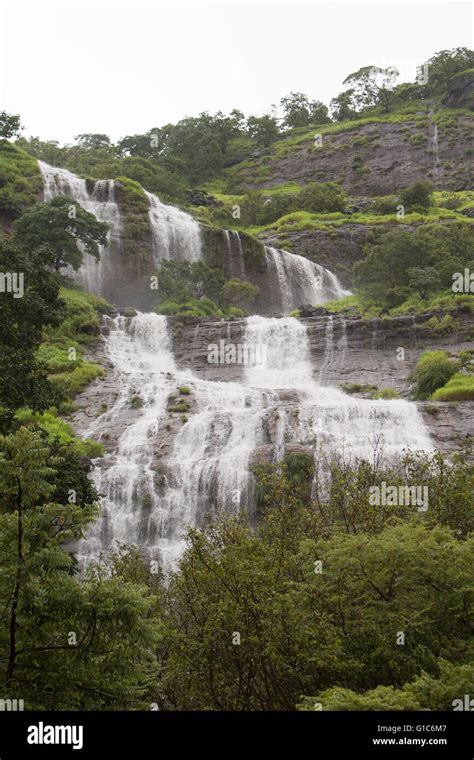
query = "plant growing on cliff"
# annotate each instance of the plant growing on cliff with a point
(418, 196)
(400, 263)
(433, 369)
(239, 293)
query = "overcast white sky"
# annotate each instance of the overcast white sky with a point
(123, 68)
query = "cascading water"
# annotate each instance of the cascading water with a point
(289, 280)
(327, 417)
(207, 466)
(150, 500)
(301, 281)
(176, 235)
(235, 254)
(95, 275)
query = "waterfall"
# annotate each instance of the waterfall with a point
(287, 281)
(327, 418)
(300, 281)
(148, 502)
(166, 473)
(176, 235)
(235, 254)
(434, 144)
(94, 275)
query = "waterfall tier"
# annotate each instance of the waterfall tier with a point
(169, 470)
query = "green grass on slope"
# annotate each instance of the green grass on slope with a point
(21, 184)
(63, 347)
(303, 221)
(458, 388)
(58, 429)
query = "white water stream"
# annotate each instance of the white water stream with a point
(206, 467)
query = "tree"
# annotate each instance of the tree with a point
(57, 227)
(342, 108)
(372, 86)
(10, 125)
(384, 275)
(23, 380)
(149, 145)
(264, 129)
(315, 595)
(299, 111)
(419, 195)
(424, 280)
(64, 642)
(181, 281)
(425, 692)
(89, 141)
(239, 293)
(443, 65)
(322, 196)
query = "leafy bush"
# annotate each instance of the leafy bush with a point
(317, 197)
(419, 195)
(239, 293)
(447, 324)
(433, 369)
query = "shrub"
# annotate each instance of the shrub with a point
(385, 393)
(322, 196)
(441, 326)
(432, 371)
(419, 194)
(357, 388)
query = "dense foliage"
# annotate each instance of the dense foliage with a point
(423, 262)
(197, 289)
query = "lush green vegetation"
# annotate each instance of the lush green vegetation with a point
(266, 605)
(197, 290)
(433, 369)
(458, 388)
(21, 184)
(438, 377)
(136, 232)
(265, 610)
(55, 228)
(324, 600)
(422, 262)
(65, 642)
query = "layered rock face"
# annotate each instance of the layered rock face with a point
(346, 351)
(378, 158)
